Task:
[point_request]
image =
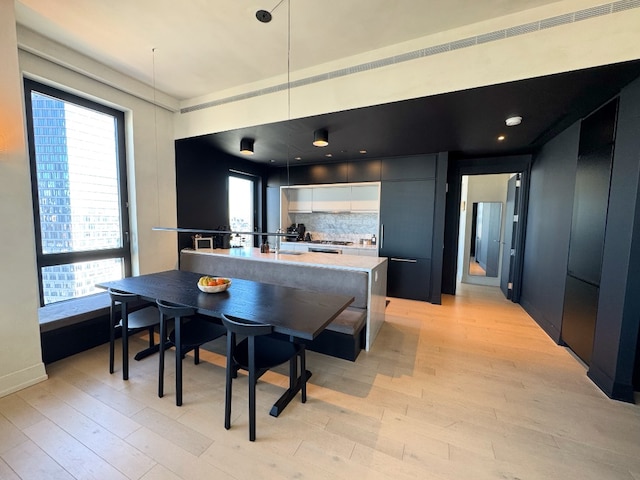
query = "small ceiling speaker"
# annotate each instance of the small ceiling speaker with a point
(321, 138)
(263, 16)
(246, 146)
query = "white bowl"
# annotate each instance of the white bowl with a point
(215, 288)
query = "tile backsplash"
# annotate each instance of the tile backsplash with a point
(350, 227)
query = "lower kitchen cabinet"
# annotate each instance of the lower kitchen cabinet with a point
(409, 278)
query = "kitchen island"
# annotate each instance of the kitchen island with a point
(361, 276)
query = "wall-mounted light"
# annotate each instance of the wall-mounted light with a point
(246, 146)
(321, 138)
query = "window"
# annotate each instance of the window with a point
(78, 178)
(242, 207)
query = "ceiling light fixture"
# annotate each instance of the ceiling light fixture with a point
(501, 138)
(321, 138)
(246, 146)
(513, 121)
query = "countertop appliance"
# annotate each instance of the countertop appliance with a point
(298, 229)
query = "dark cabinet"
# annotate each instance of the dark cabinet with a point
(409, 278)
(588, 227)
(409, 168)
(406, 218)
(364, 171)
(328, 173)
(406, 236)
(315, 174)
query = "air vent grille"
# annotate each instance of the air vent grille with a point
(524, 29)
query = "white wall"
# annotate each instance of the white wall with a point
(151, 182)
(483, 188)
(20, 358)
(597, 41)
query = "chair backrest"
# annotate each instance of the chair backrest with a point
(172, 310)
(245, 327)
(122, 297)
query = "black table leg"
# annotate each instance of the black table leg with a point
(287, 396)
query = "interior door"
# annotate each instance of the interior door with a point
(506, 278)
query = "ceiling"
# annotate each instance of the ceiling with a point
(199, 47)
(466, 123)
(205, 46)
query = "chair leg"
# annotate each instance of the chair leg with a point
(112, 339)
(196, 355)
(179, 354)
(161, 348)
(125, 343)
(252, 404)
(231, 373)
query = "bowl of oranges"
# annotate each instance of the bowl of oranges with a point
(213, 284)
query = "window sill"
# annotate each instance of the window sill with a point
(70, 312)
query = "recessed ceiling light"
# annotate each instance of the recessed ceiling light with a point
(363, 151)
(328, 155)
(513, 121)
(501, 138)
(298, 158)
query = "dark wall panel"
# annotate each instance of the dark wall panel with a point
(201, 186)
(616, 337)
(548, 230)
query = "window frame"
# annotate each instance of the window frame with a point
(53, 259)
(256, 191)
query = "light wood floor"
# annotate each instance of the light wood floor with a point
(471, 389)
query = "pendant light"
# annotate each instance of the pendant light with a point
(246, 146)
(321, 138)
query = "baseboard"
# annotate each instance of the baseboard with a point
(612, 388)
(549, 328)
(22, 379)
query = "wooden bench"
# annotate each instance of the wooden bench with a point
(344, 337)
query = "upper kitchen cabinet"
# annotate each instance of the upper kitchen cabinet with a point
(331, 199)
(365, 198)
(364, 171)
(409, 168)
(300, 199)
(328, 173)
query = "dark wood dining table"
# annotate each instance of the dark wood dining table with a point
(295, 312)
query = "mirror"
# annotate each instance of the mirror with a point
(486, 226)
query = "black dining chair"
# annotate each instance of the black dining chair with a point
(190, 331)
(257, 353)
(130, 323)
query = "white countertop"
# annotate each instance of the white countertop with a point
(347, 262)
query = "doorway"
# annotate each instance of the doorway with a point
(453, 252)
(483, 229)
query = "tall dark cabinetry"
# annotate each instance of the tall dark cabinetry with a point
(591, 199)
(407, 204)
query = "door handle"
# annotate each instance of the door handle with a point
(406, 260)
(381, 236)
